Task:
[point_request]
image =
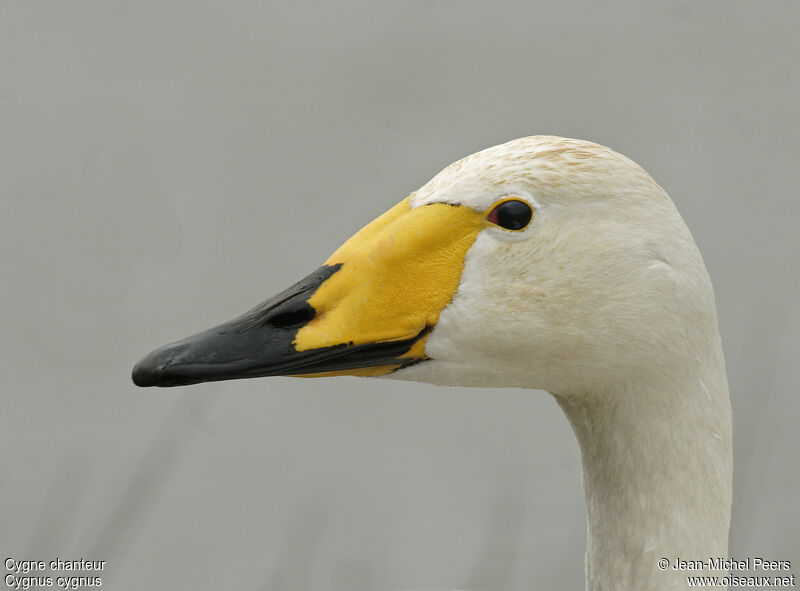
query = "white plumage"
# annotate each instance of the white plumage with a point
(605, 302)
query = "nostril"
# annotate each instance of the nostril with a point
(291, 318)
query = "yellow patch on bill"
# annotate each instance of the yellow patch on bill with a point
(396, 276)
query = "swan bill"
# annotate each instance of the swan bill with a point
(367, 311)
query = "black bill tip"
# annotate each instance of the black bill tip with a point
(158, 368)
(145, 373)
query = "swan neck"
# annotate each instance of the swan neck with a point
(657, 467)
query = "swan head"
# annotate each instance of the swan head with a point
(545, 263)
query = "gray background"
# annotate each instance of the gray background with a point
(165, 166)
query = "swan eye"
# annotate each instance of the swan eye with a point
(511, 215)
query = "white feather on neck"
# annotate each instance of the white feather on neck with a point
(657, 476)
(657, 470)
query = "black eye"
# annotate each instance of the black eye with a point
(511, 215)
